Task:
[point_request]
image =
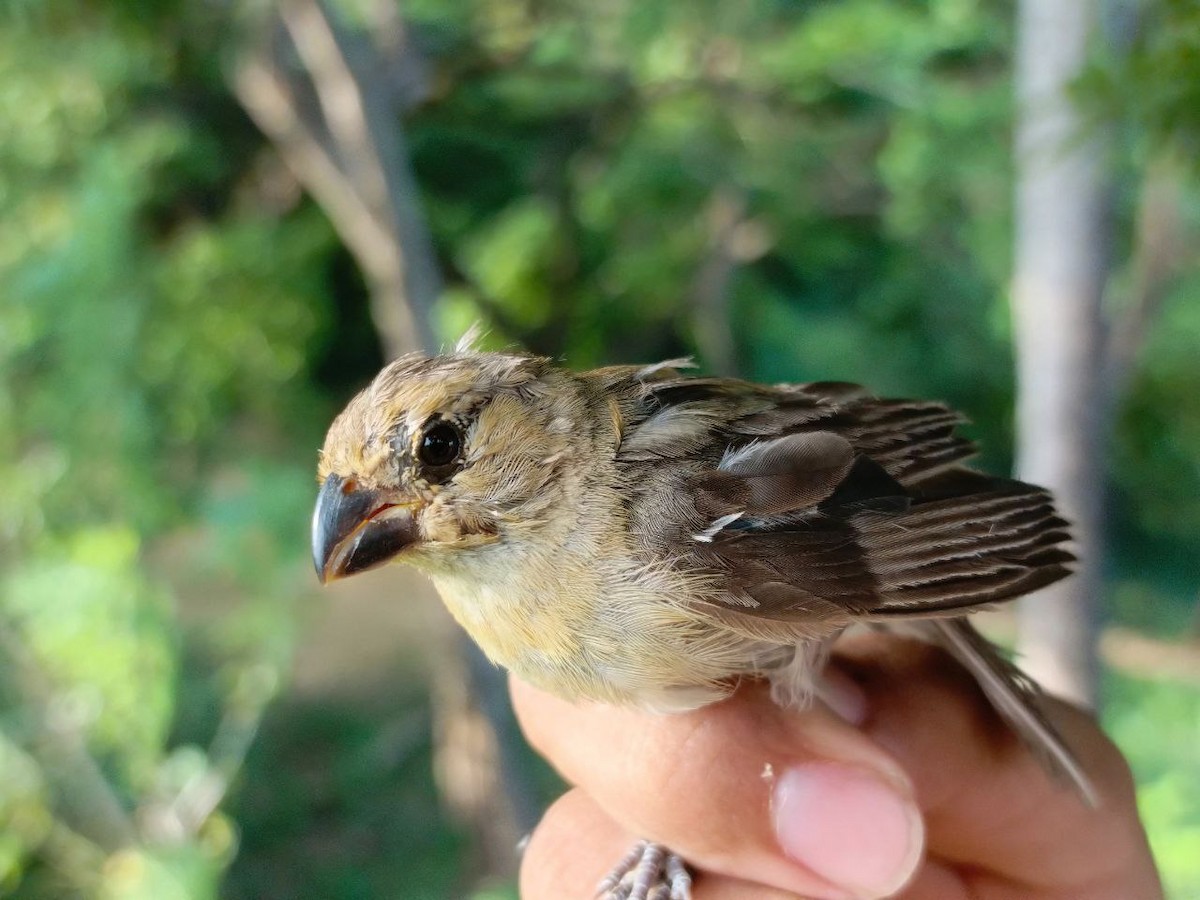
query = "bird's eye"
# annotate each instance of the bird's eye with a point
(440, 445)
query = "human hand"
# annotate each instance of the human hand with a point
(915, 789)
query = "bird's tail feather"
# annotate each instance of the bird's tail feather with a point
(1015, 696)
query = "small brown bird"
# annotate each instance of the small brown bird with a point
(636, 536)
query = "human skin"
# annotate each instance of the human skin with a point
(913, 788)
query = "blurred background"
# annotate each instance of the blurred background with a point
(218, 219)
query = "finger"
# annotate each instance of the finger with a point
(576, 844)
(988, 803)
(572, 848)
(805, 802)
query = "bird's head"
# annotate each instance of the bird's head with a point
(442, 455)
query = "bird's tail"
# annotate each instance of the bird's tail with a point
(1014, 695)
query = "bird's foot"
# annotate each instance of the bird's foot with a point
(647, 872)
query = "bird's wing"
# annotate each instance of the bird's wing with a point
(814, 505)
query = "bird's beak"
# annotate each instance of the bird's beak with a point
(355, 529)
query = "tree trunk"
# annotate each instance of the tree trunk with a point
(1060, 270)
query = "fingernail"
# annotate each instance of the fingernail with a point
(848, 826)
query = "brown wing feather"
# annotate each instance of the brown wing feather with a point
(847, 506)
(929, 556)
(779, 476)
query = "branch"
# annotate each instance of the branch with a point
(733, 239)
(86, 800)
(274, 102)
(177, 818)
(338, 130)
(343, 105)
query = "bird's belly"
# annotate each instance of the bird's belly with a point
(613, 644)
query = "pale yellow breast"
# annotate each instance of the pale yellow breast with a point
(516, 625)
(600, 628)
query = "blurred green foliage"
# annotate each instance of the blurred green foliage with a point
(178, 323)
(1157, 724)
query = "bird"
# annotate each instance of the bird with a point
(649, 537)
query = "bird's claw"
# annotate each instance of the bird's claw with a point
(647, 872)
